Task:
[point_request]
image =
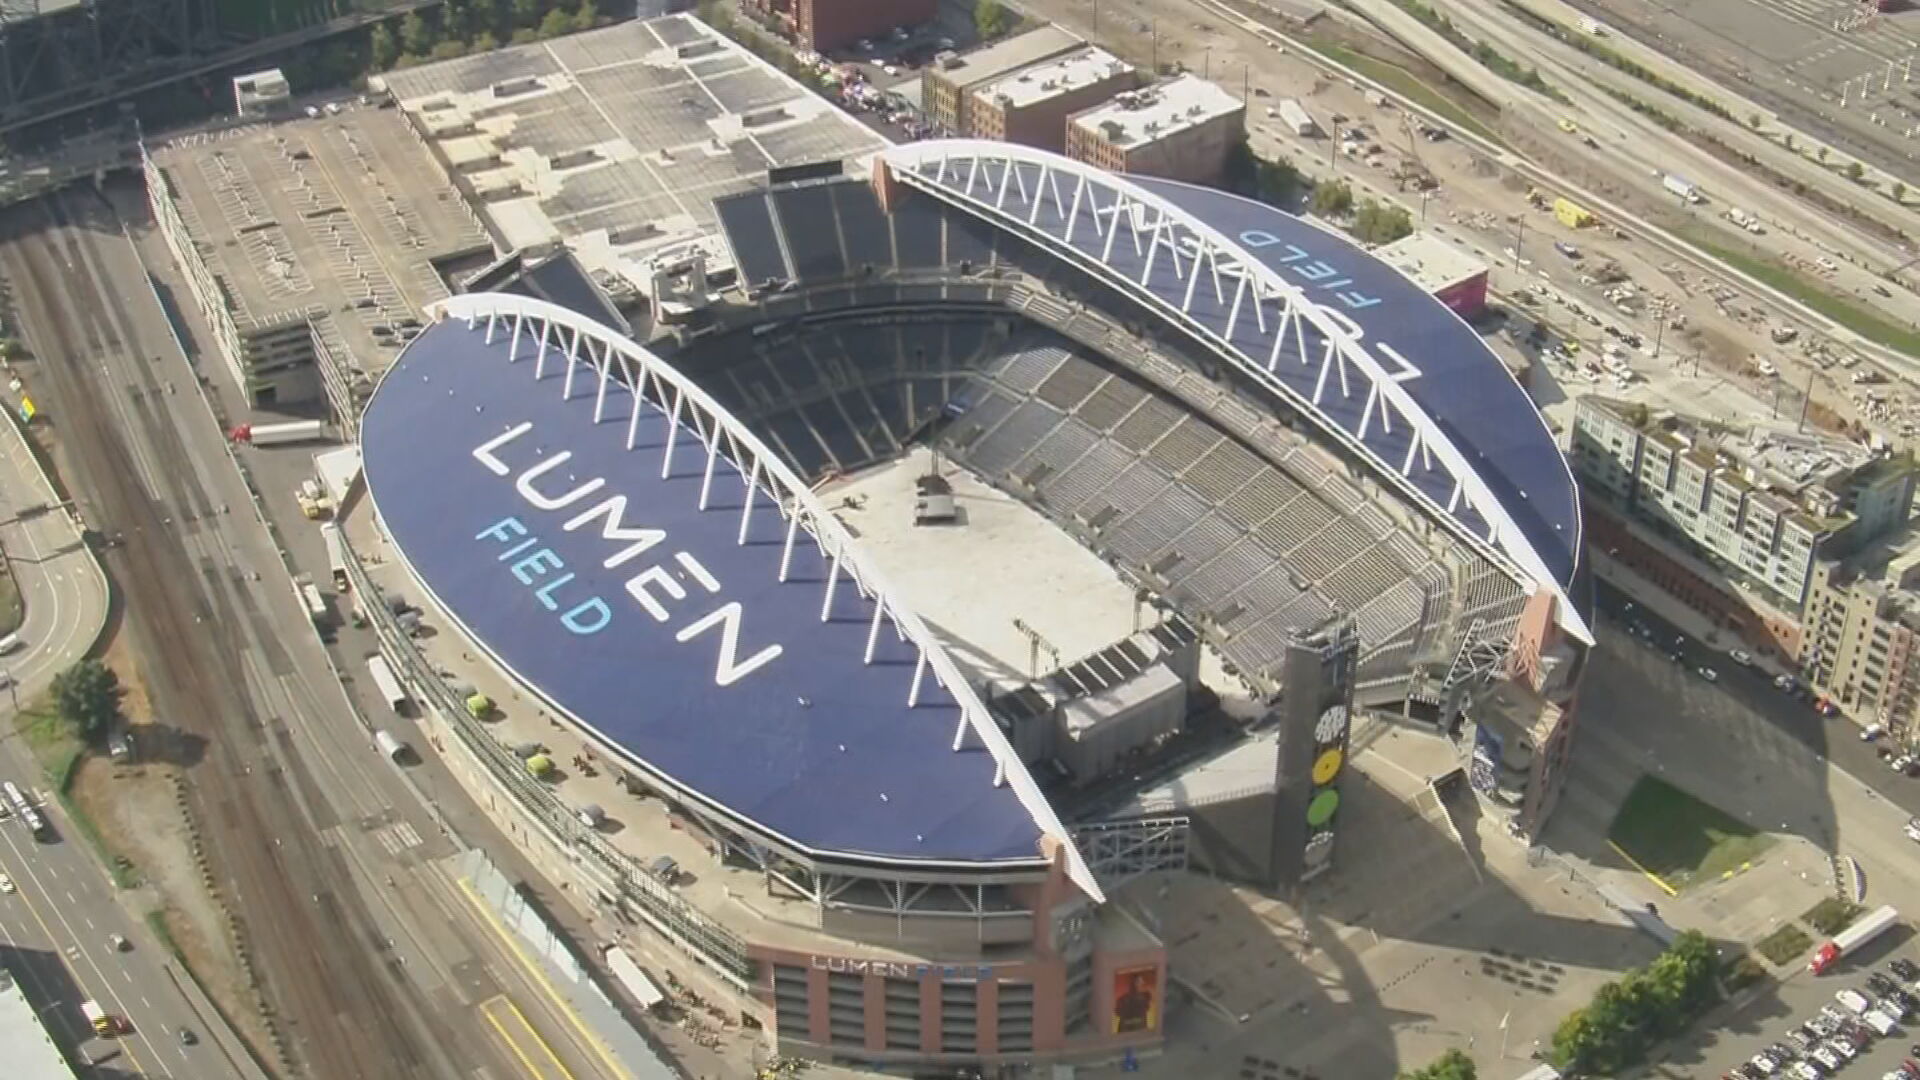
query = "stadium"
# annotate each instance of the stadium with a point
(756, 564)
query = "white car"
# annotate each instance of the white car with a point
(1825, 1056)
(891, 69)
(1741, 657)
(1878, 1021)
(1709, 674)
(1854, 1000)
(1841, 1047)
(6, 885)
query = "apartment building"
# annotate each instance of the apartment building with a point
(1030, 106)
(1185, 128)
(1731, 522)
(946, 85)
(1862, 636)
(825, 25)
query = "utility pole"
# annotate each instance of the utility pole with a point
(1519, 238)
(1659, 331)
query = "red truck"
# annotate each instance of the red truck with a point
(1849, 941)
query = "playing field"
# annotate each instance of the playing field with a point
(1679, 840)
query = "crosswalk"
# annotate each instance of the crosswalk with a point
(397, 838)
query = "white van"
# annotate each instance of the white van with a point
(10, 643)
(1878, 1021)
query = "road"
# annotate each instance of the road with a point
(57, 928)
(305, 823)
(61, 584)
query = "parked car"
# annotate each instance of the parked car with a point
(1708, 673)
(1741, 657)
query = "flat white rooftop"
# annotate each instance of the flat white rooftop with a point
(1139, 117)
(1431, 261)
(615, 142)
(29, 1050)
(1011, 54)
(1051, 78)
(969, 581)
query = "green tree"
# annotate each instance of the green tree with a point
(383, 48)
(991, 18)
(416, 36)
(483, 42)
(1898, 191)
(588, 16)
(1331, 198)
(556, 24)
(1375, 223)
(456, 19)
(1278, 180)
(1855, 171)
(449, 50)
(88, 697)
(526, 35)
(527, 13)
(1821, 153)
(1452, 1065)
(1753, 121)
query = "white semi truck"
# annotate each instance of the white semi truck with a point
(292, 431)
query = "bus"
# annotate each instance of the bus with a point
(383, 678)
(316, 604)
(336, 555)
(23, 809)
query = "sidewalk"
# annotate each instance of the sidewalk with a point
(1683, 618)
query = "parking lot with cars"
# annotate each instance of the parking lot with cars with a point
(1858, 1030)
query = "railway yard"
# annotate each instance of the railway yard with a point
(327, 867)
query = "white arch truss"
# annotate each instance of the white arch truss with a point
(550, 333)
(1054, 201)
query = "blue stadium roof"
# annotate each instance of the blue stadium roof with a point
(774, 718)
(1461, 384)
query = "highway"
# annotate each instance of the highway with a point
(372, 962)
(1685, 251)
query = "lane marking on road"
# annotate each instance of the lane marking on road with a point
(126, 1045)
(489, 1009)
(540, 979)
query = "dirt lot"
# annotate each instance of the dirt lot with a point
(134, 809)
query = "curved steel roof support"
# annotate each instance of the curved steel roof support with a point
(956, 170)
(651, 381)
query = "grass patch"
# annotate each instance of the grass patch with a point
(59, 750)
(125, 875)
(1679, 839)
(1406, 84)
(1832, 915)
(1841, 310)
(12, 611)
(157, 922)
(51, 738)
(1784, 945)
(1743, 973)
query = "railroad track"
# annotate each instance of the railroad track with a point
(325, 976)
